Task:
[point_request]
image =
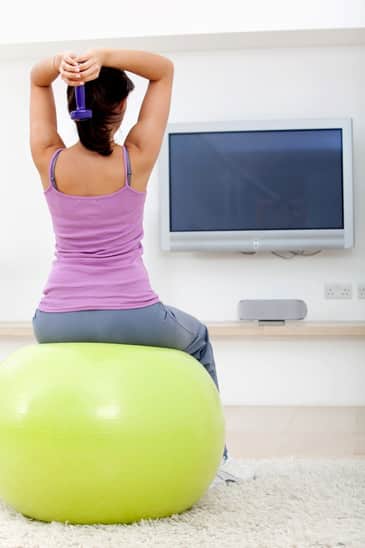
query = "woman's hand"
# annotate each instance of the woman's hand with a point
(90, 64)
(78, 69)
(68, 68)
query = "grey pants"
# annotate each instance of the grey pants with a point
(155, 325)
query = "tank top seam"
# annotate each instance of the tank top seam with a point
(156, 299)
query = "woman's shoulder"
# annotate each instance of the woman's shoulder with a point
(43, 159)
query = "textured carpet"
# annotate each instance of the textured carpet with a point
(291, 503)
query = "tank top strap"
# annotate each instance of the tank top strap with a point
(52, 164)
(127, 166)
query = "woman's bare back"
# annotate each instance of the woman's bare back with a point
(82, 172)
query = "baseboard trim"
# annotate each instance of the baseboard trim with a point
(273, 431)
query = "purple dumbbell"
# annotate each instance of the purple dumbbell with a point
(81, 113)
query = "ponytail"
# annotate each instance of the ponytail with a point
(103, 97)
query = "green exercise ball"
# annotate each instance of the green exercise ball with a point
(106, 433)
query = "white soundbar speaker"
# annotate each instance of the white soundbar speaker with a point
(272, 309)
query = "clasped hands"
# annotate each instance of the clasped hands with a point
(75, 70)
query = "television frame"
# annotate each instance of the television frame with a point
(258, 240)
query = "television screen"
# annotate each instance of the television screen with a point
(256, 180)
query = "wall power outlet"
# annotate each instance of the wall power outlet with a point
(338, 291)
(361, 291)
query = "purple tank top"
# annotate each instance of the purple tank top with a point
(98, 257)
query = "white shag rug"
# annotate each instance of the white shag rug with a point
(291, 503)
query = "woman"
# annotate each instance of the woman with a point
(98, 288)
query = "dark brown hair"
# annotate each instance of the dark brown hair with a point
(102, 95)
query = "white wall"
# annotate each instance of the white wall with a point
(215, 85)
(39, 21)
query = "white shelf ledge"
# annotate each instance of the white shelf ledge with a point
(236, 329)
(292, 329)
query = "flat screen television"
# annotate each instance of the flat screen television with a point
(257, 185)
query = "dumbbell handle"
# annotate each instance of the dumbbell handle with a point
(81, 113)
(80, 97)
